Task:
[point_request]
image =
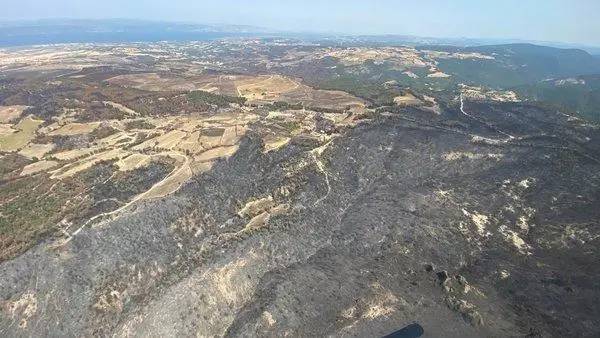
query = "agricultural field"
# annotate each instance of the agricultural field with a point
(82, 118)
(255, 90)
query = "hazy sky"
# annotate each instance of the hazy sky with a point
(576, 21)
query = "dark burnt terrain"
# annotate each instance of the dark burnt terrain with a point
(476, 224)
(275, 187)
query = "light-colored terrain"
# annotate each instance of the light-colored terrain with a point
(482, 94)
(256, 89)
(403, 57)
(407, 99)
(193, 142)
(33, 150)
(10, 113)
(461, 56)
(22, 133)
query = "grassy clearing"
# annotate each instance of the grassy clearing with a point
(10, 113)
(36, 150)
(407, 99)
(89, 162)
(134, 161)
(18, 140)
(152, 82)
(6, 129)
(275, 143)
(216, 153)
(265, 88)
(37, 167)
(170, 184)
(69, 155)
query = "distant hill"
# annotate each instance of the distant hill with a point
(542, 61)
(517, 64)
(580, 94)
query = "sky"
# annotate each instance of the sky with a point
(571, 21)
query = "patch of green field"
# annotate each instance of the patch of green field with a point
(25, 133)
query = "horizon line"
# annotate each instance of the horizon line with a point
(330, 33)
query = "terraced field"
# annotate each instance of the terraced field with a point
(144, 128)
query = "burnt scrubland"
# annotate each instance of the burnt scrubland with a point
(242, 188)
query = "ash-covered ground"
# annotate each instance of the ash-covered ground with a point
(408, 217)
(270, 188)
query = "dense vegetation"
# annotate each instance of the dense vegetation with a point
(582, 95)
(517, 64)
(35, 206)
